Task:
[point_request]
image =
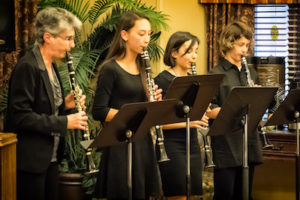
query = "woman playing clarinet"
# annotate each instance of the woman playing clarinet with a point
(180, 52)
(121, 81)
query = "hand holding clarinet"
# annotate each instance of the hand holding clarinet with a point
(79, 100)
(77, 120)
(75, 100)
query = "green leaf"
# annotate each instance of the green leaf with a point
(92, 44)
(99, 7)
(78, 7)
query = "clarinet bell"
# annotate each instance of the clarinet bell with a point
(266, 143)
(264, 137)
(208, 161)
(91, 164)
(208, 153)
(163, 155)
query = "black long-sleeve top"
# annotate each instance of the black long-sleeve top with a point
(115, 88)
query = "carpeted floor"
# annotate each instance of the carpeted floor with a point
(208, 186)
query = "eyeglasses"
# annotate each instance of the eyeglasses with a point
(67, 38)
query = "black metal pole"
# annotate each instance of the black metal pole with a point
(185, 109)
(129, 163)
(188, 159)
(245, 160)
(296, 115)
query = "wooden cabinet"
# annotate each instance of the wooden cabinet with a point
(8, 166)
(275, 179)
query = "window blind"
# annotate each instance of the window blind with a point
(271, 30)
(271, 33)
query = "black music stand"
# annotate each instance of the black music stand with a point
(195, 93)
(246, 105)
(288, 112)
(132, 123)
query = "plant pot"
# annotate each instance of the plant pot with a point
(70, 187)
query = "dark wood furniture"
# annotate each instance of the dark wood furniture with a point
(275, 179)
(8, 178)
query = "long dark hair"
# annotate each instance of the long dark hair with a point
(176, 40)
(117, 48)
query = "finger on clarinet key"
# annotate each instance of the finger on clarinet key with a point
(82, 101)
(205, 118)
(158, 95)
(199, 124)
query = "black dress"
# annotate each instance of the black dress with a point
(115, 88)
(173, 172)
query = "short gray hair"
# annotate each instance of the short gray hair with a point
(54, 20)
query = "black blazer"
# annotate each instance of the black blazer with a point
(30, 113)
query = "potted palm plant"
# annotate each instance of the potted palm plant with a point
(99, 23)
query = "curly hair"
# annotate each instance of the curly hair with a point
(54, 20)
(233, 32)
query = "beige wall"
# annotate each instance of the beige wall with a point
(184, 15)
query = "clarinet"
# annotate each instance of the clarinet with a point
(249, 80)
(157, 130)
(266, 141)
(76, 90)
(209, 163)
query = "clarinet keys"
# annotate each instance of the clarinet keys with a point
(208, 162)
(157, 130)
(76, 91)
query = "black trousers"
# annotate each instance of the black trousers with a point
(228, 183)
(43, 186)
